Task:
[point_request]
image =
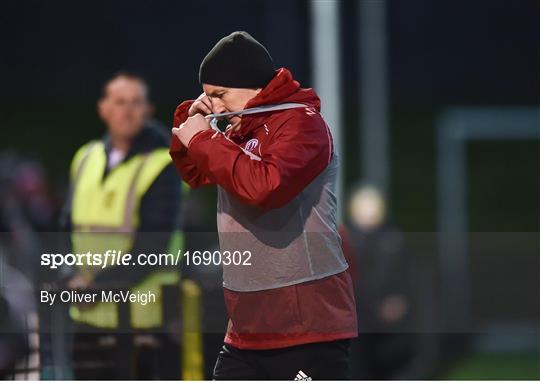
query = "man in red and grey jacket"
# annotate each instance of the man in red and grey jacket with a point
(292, 309)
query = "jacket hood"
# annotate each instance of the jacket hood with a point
(283, 88)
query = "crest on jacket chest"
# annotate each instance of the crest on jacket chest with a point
(251, 144)
(252, 141)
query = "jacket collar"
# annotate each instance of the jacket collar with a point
(152, 136)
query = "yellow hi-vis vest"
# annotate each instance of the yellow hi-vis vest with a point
(104, 216)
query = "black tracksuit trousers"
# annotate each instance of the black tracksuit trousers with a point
(321, 360)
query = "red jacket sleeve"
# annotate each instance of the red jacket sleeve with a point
(184, 165)
(299, 150)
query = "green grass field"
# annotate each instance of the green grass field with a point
(495, 366)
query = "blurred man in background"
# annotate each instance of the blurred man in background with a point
(379, 267)
(125, 195)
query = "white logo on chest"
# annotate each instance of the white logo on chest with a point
(251, 144)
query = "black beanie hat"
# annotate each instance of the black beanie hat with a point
(237, 61)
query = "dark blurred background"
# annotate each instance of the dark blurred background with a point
(56, 56)
(441, 55)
